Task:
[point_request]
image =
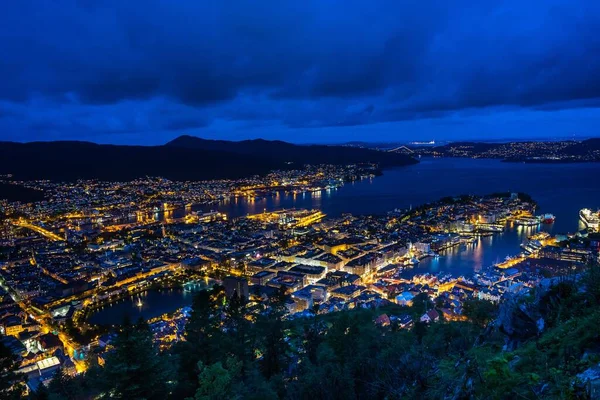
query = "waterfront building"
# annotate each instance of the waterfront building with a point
(591, 219)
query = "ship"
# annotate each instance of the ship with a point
(490, 228)
(548, 218)
(539, 236)
(531, 247)
(528, 221)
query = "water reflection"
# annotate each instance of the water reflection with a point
(561, 189)
(147, 304)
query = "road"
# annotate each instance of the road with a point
(44, 232)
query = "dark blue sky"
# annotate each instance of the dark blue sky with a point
(147, 71)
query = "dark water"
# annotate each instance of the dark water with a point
(560, 189)
(154, 304)
(19, 193)
(487, 251)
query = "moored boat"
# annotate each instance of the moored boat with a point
(548, 218)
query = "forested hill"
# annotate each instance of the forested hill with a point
(278, 151)
(183, 159)
(531, 151)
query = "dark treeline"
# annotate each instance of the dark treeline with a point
(235, 350)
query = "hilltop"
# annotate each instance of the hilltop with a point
(185, 158)
(283, 152)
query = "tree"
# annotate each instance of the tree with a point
(11, 384)
(421, 303)
(326, 379)
(64, 387)
(204, 339)
(41, 393)
(203, 326)
(135, 369)
(271, 328)
(312, 340)
(273, 343)
(238, 337)
(217, 382)
(592, 281)
(419, 329)
(479, 311)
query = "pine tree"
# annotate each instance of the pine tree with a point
(41, 393)
(64, 387)
(135, 369)
(238, 331)
(217, 382)
(204, 327)
(11, 383)
(203, 339)
(273, 339)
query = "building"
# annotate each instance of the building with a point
(13, 326)
(422, 247)
(430, 316)
(313, 273)
(262, 277)
(292, 281)
(348, 292)
(405, 299)
(236, 285)
(306, 296)
(405, 321)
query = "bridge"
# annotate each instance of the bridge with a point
(44, 232)
(401, 149)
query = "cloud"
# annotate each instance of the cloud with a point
(109, 67)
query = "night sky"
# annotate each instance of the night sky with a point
(145, 72)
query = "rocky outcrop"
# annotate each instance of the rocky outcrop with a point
(518, 322)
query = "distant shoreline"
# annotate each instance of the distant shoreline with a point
(516, 161)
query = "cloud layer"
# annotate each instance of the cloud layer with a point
(323, 70)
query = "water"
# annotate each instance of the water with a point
(561, 189)
(153, 304)
(487, 251)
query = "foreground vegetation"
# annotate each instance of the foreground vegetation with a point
(234, 351)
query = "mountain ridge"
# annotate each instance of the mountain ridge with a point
(183, 159)
(284, 152)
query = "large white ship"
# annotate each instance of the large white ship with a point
(590, 218)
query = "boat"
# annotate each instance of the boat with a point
(532, 221)
(539, 236)
(490, 228)
(532, 246)
(548, 218)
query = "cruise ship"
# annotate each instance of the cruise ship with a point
(590, 218)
